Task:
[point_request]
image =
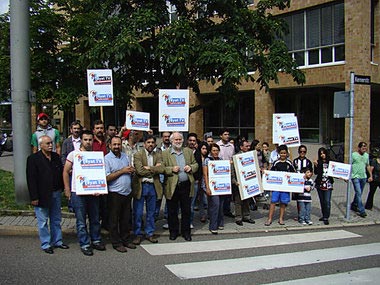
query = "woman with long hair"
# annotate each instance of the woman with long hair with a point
(323, 183)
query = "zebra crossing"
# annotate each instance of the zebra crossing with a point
(223, 267)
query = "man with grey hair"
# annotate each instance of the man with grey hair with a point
(45, 184)
(180, 164)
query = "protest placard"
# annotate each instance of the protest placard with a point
(219, 176)
(285, 130)
(248, 174)
(90, 173)
(339, 170)
(100, 87)
(283, 181)
(137, 120)
(173, 110)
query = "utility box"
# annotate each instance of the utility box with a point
(342, 104)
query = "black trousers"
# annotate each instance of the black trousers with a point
(119, 209)
(181, 198)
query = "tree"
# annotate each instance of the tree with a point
(221, 41)
(54, 76)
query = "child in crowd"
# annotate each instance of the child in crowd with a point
(282, 164)
(304, 199)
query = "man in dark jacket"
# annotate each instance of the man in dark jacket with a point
(45, 184)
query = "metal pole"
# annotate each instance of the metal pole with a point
(20, 86)
(352, 93)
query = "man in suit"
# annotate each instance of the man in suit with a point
(180, 164)
(147, 187)
(45, 184)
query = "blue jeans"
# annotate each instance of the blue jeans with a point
(304, 213)
(359, 184)
(149, 196)
(54, 236)
(86, 205)
(325, 200)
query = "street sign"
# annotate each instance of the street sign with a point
(362, 79)
(342, 104)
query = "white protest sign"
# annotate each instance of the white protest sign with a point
(219, 176)
(339, 170)
(285, 130)
(173, 110)
(248, 174)
(90, 173)
(100, 87)
(283, 181)
(137, 120)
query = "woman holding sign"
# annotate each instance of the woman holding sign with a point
(215, 203)
(323, 183)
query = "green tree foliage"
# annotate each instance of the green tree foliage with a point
(221, 41)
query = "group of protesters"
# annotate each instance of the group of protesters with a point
(139, 171)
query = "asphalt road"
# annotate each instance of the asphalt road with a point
(22, 262)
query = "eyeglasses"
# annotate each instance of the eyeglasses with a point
(302, 151)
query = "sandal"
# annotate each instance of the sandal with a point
(268, 223)
(281, 223)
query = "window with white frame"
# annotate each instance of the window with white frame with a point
(316, 36)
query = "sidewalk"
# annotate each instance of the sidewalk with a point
(19, 222)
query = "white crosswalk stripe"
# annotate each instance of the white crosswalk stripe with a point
(212, 268)
(251, 264)
(364, 276)
(253, 242)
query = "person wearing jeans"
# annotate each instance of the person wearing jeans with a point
(84, 205)
(45, 184)
(360, 163)
(147, 187)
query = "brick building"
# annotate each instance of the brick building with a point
(328, 39)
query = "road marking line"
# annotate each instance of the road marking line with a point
(250, 264)
(241, 243)
(364, 276)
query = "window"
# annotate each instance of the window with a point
(316, 36)
(239, 120)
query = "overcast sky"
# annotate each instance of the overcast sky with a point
(4, 5)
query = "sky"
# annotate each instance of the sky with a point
(4, 5)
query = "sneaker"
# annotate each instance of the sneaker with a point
(363, 215)
(151, 239)
(303, 223)
(214, 232)
(221, 228)
(120, 248)
(309, 223)
(165, 226)
(191, 226)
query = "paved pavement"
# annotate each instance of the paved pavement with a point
(24, 222)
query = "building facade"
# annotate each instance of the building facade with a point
(329, 40)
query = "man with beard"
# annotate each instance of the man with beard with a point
(84, 205)
(119, 171)
(99, 138)
(147, 187)
(72, 142)
(180, 164)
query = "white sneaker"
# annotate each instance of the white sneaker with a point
(309, 223)
(165, 226)
(303, 223)
(191, 226)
